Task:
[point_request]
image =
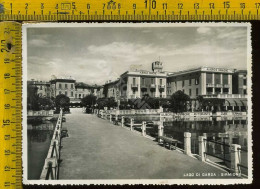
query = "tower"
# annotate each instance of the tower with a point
(157, 66)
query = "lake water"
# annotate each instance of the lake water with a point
(38, 138)
(228, 130)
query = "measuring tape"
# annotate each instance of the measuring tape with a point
(84, 10)
(10, 105)
(166, 10)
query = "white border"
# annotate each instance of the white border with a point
(137, 181)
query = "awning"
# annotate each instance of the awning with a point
(235, 102)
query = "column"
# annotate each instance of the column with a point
(234, 157)
(160, 131)
(230, 84)
(213, 83)
(202, 147)
(221, 82)
(187, 143)
(122, 120)
(144, 128)
(131, 124)
(110, 117)
(138, 94)
(203, 83)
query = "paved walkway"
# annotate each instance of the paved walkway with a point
(96, 149)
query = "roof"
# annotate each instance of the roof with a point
(82, 85)
(202, 69)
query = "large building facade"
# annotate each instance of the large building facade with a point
(219, 83)
(138, 83)
(43, 88)
(203, 81)
(67, 86)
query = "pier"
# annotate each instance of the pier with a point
(98, 149)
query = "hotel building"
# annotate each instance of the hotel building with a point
(43, 88)
(137, 83)
(112, 89)
(220, 83)
(240, 82)
(64, 86)
(203, 81)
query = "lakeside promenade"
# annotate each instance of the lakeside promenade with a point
(97, 149)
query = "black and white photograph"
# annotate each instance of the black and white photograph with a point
(137, 103)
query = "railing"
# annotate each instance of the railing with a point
(217, 149)
(211, 95)
(50, 169)
(134, 85)
(40, 113)
(230, 154)
(242, 168)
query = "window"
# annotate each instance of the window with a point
(152, 81)
(245, 91)
(225, 90)
(209, 90)
(79, 95)
(217, 78)
(190, 92)
(190, 82)
(41, 87)
(143, 81)
(66, 93)
(134, 81)
(176, 85)
(183, 83)
(225, 79)
(197, 91)
(209, 78)
(71, 94)
(197, 81)
(66, 86)
(71, 86)
(60, 85)
(160, 81)
(244, 81)
(217, 90)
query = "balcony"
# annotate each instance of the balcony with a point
(135, 86)
(153, 86)
(226, 85)
(210, 95)
(161, 86)
(143, 86)
(219, 85)
(210, 85)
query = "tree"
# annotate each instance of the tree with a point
(179, 101)
(61, 100)
(89, 100)
(32, 98)
(201, 101)
(45, 103)
(106, 102)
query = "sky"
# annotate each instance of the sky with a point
(95, 55)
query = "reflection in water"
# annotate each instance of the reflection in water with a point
(228, 130)
(38, 138)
